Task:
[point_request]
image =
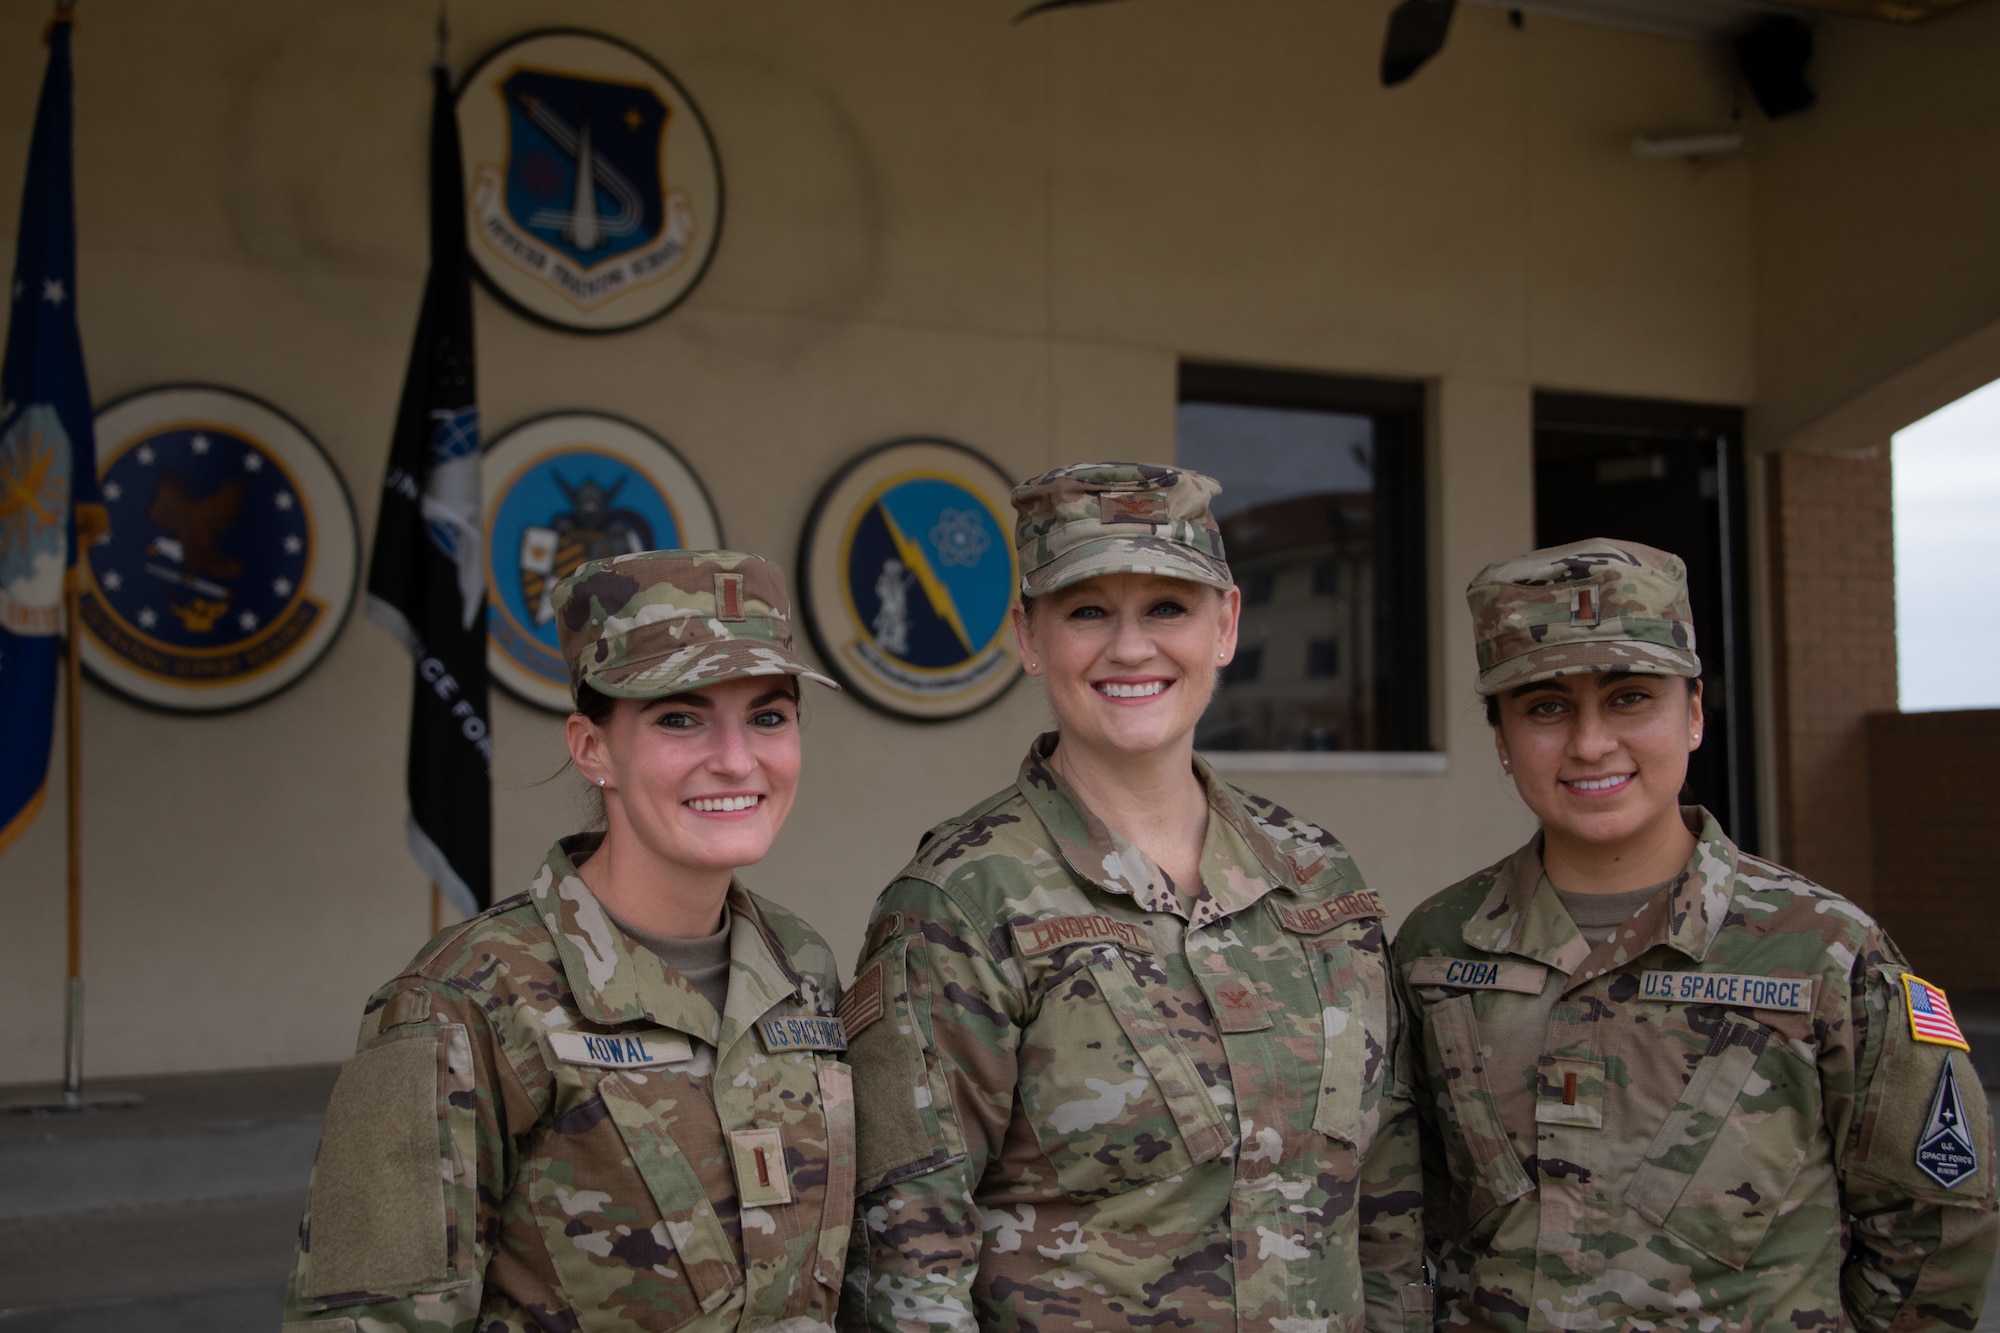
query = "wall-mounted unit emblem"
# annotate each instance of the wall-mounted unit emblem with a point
(232, 559)
(906, 576)
(561, 490)
(593, 195)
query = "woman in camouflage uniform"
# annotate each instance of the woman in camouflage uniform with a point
(1122, 1034)
(1665, 1084)
(613, 1101)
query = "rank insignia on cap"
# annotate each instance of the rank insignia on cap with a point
(1930, 1014)
(729, 597)
(1944, 1150)
(1583, 606)
(1131, 507)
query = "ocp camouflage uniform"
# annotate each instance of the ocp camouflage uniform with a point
(546, 1127)
(1091, 1101)
(1744, 1158)
(1717, 1117)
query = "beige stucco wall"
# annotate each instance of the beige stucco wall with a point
(937, 223)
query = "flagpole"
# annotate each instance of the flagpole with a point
(73, 755)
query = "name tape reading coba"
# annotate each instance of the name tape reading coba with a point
(1479, 974)
(1792, 994)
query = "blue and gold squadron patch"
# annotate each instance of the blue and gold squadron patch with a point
(232, 557)
(908, 575)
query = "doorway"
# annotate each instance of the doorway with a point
(1669, 475)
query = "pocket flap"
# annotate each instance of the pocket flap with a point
(692, 1225)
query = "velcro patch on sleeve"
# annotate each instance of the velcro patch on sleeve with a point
(886, 927)
(1794, 995)
(802, 1033)
(1034, 938)
(1319, 918)
(410, 1006)
(862, 1004)
(1479, 974)
(621, 1050)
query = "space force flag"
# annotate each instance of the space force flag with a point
(426, 582)
(49, 503)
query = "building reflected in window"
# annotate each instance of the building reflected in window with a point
(1321, 515)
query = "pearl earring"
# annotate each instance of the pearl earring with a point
(600, 782)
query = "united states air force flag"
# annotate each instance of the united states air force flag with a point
(49, 504)
(427, 581)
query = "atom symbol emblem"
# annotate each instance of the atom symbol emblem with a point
(960, 538)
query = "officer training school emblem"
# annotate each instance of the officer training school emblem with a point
(592, 188)
(232, 558)
(560, 490)
(907, 573)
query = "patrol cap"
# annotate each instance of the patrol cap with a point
(1596, 605)
(653, 623)
(1086, 519)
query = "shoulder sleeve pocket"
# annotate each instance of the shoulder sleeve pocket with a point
(895, 1093)
(382, 1219)
(1913, 1109)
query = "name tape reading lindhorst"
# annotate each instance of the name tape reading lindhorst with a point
(1034, 938)
(1792, 994)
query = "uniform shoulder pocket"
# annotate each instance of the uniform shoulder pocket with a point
(1924, 1108)
(384, 1219)
(895, 1090)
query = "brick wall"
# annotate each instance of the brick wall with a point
(1833, 604)
(1937, 841)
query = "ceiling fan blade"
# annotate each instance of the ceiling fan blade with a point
(1046, 5)
(1416, 33)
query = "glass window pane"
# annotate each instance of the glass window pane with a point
(1319, 537)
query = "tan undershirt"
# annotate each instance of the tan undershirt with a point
(704, 962)
(1517, 1049)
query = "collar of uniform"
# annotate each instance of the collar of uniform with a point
(1231, 851)
(760, 976)
(1522, 915)
(615, 981)
(1688, 914)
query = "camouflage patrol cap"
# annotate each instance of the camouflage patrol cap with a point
(1087, 519)
(1597, 605)
(653, 623)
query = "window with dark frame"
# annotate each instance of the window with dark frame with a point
(1322, 515)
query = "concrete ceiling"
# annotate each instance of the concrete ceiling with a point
(1712, 20)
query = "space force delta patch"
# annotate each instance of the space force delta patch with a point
(1944, 1151)
(1794, 995)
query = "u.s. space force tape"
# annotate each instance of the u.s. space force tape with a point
(1792, 994)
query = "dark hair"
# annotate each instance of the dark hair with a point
(1493, 700)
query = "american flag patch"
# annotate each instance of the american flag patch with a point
(1930, 1014)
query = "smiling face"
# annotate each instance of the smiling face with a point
(1130, 659)
(698, 783)
(1601, 758)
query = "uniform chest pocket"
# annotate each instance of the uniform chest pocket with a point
(1727, 1155)
(1354, 1016)
(1114, 1097)
(626, 1217)
(1486, 1172)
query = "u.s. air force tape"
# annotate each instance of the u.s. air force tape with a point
(1479, 974)
(1318, 918)
(1792, 994)
(801, 1033)
(621, 1050)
